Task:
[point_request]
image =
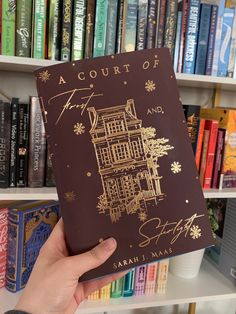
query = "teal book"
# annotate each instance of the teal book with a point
(111, 27)
(78, 33)
(129, 25)
(29, 224)
(54, 31)
(39, 29)
(100, 28)
(117, 288)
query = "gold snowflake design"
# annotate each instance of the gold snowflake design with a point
(176, 167)
(44, 76)
(142, 217)
(79, 128)
(70, 196)
(150, 86)
(195, 232)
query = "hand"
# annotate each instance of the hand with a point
(53, 285)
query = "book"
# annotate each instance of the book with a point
(8, 27)
(128, 289)
(29, 225)
(205, 144)
(129, 27)
(66, 30)
(100, 28)
(3, 242)
(5, 135)
(161, 24)
(89, 29)
(39, 29)
(177, 41)
(37, 145)
(199, 142)
(23, 27)
(184, 23)
(218, 158)
(125, 141)
(119, 26)
(94, 296)
(226, 118)
(170, 25)
(104, 293)
(140, 280)
(78, 30)
(0, 26)
(162, 275)
(49, 176)
(142, 24)
(232, 54)
(117, 288)
(151, 23)
(151, 276)
(54, 29)
(111, 27)
(14, 139)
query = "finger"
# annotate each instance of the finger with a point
(82, 263)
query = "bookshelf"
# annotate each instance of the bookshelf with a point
(210, 285)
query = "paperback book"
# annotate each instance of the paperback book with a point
(122, 158)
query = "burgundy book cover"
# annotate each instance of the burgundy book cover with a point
(122, 158)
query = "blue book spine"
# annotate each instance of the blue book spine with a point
(128, 289)
(151, 27)
(232, 55)
(191, 37)
(111, 27)
(204, 26)
(216, 50)
(130, 25)
(211, 41)
(228, 21)
(142, 24)
(177, 40)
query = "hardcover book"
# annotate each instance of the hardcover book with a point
(122, 158)
(14, 141)
(66, 30)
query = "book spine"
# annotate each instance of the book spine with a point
(0, 26)
(3, 245)
(218, 158)
(66, 32)
(8, 27)
(203, 39)
(5, 133)
(22, 149)
(170, 25)
(184, 24)
(94, 296)
(177, 41)
(117, 288)
(151, 278)
(89, 31)
(161, 24)
(162, 276)
(104, 293)
(151, 25)
(119, 26)
(54, 30)
(232, 54)
(142, 24)
(49, 176)
(14, 136)
(216, 50)
(192, 117)
(111, 27)
(191, 37)
(140, 279)
(13, 251)
(225, 42)
(37, 145)
(129, 28)
(128, 289)
(204, 155)
(212, 126)
(211, 41)
(39, 29)
(234, 76)
(23, 27)
(199, 143)
(77, 51)
(100, 28)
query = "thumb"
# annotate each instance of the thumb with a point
(82, 263)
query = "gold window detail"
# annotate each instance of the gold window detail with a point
(121, 151)
(112, 188)
(136, 151)
(115, 127)
(128, 186)
(105, 156)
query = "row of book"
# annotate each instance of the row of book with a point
(24, 228)
(24, 155)
(212, 134)
(200, 34)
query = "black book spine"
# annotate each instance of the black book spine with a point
(14, 132)
(49, 176)
(5, 133)
(119, 26)
(22, 149)
(152, 20)
(89, 29)
(66, 34)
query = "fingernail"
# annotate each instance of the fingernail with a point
(109, 244)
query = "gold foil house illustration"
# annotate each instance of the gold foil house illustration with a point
(129, 177)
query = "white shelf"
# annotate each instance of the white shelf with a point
(51, 194)
(191, 80)
(210, 285)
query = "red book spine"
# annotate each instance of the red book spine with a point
(218, 158)
(3, 244)
(199, 143)
(184, 24)
(151, 278)
(212, 126)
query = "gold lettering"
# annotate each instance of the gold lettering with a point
(156, 63)
(61, 81)
(81, 76)
(116, 70)
(146, 65)
(105, 73)
(126, 66)
(93, 74)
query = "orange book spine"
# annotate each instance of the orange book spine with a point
(151, 278)
(162, 276)
(212, 126)
(199, 143)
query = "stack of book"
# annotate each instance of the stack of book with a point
(25, 158)
(201, 35)
(212, 134)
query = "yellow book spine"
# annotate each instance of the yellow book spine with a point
(105, 292)
(93, 296)
(162, 276)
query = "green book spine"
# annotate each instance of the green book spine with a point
(100, 28)
(23, 27)
(117, 288)
(129, 25)
(111, 27)
(40, 15)
(8, 27)
(66, 30)
(0, 26)
(77, 52)
(54, 30)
